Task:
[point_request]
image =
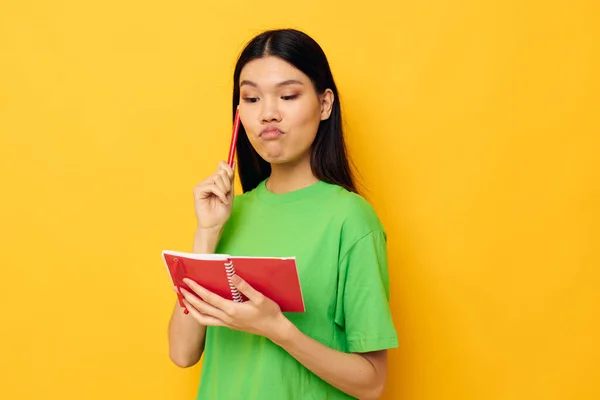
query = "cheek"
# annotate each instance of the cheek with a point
(248, 122)
(307, 121)
(306, 112)
(252, 131)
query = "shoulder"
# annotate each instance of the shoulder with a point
(357, 212)
(358, 221)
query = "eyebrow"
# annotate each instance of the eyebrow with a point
(284, 83)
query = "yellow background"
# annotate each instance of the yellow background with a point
(475, 128)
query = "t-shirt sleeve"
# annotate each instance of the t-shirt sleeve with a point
(363, 309)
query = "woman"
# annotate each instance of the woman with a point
(299, 200)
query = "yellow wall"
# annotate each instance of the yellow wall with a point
(474, 125)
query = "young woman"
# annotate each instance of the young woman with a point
(299, 200)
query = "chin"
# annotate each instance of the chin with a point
(275, 159)
(279, 158)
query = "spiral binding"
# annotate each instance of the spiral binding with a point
(237, 297)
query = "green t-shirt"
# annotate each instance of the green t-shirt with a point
(340, 249)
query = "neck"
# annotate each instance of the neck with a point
(290, 176)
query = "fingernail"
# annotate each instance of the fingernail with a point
(235, 279)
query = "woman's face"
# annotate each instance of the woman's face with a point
(281, 110)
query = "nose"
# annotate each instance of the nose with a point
(269, 112)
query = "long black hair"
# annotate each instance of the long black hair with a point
(329, 159)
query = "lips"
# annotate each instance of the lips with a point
(270, 133)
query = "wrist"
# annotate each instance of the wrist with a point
(283, 332)
(206, 239)
(209, 232)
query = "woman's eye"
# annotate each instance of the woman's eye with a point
(292, 97)
(250, 99)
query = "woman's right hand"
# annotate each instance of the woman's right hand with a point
(213, 198)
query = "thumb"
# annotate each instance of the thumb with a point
(245, 288)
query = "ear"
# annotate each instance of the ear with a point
(327, 99)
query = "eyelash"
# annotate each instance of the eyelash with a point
(255, 99)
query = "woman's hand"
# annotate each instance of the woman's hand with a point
(361, 375)
(260, 315)
(213, 198)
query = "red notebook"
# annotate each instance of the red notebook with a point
(276, 278)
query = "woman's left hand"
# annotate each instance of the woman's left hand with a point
(260, 315)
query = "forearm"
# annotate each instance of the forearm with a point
(186, 335)
(205, 241)
(186, 338)
(353, 374)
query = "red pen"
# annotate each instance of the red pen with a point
(234, 134)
